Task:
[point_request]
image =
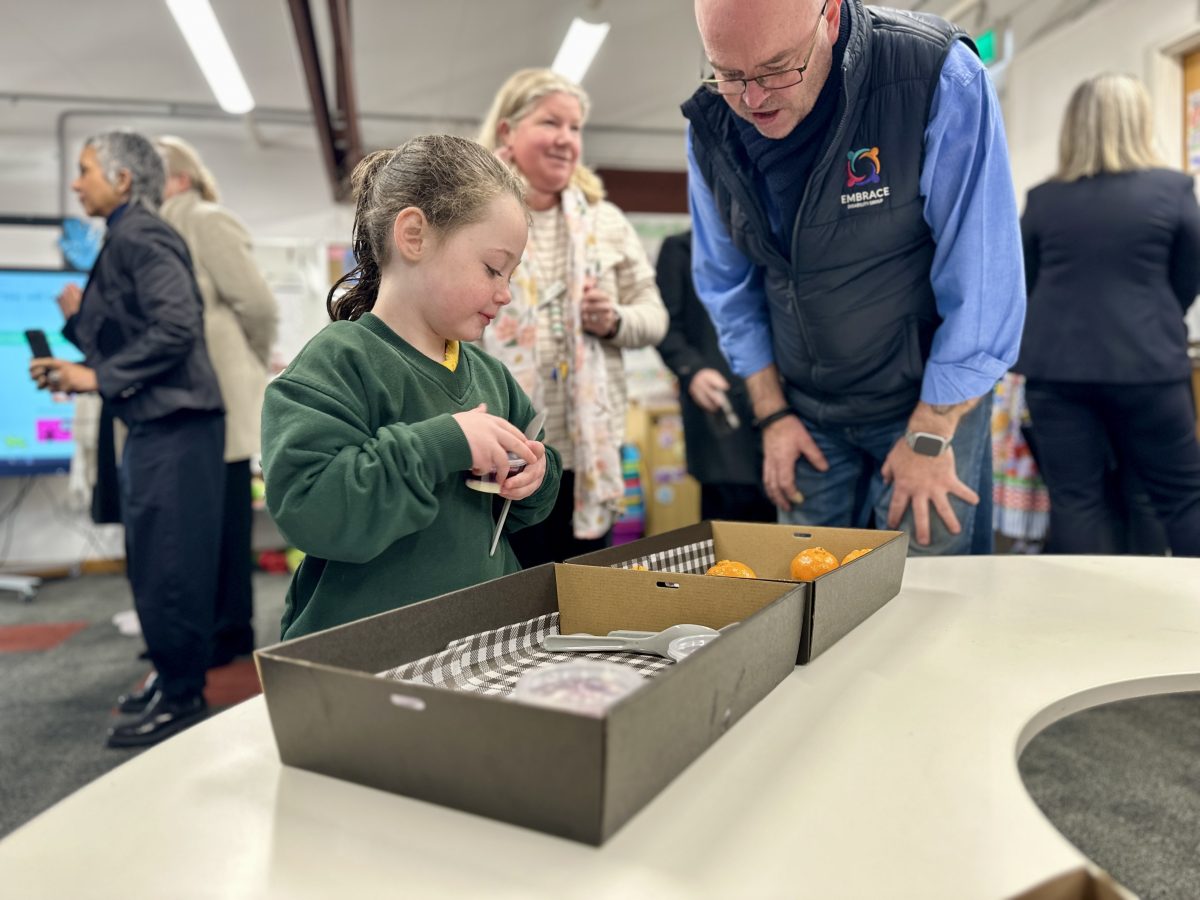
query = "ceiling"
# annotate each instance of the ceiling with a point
(419, 65)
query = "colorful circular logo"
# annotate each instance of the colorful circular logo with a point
(855, 164)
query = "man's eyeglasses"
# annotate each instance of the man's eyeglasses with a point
(772, 81)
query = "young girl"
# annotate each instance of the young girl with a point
(369, 433)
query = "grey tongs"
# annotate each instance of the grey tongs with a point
(655, 643)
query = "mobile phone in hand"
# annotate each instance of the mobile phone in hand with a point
(38, 343)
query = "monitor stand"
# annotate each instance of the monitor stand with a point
(25, 585)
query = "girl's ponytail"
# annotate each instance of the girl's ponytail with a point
(363, 279)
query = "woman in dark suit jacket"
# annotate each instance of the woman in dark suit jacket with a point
(1112, 258)
(140, 325)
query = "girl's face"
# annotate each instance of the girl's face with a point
(468, 278)
(547, 143)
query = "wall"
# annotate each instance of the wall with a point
(1115, 36)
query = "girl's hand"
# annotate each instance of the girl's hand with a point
(529, 480)
(491, 438)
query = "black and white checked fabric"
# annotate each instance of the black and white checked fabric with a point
(691, 559)
(491, 662)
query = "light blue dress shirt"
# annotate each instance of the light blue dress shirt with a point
(971, 209)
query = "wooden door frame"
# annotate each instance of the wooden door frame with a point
(1164, 78)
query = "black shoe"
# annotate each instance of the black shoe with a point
(162, 719)
(137, 701)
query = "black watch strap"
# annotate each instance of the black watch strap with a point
(770, 419)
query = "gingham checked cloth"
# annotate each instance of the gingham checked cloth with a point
(693, 559)
(491, 662)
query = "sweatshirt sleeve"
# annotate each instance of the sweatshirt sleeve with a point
(539, 504)
(340, 491)
(643, 316)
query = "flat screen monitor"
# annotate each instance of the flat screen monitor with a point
(35, 425)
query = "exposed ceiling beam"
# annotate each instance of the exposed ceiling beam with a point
(343, 70)
(337, 130)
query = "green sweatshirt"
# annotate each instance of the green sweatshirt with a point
(364, 469)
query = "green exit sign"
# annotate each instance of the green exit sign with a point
(986, 43)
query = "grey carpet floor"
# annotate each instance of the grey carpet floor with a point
(56, 706)
(1122, 783)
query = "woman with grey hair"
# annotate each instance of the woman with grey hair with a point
(584, 291)
(240, 322)
(139, 323)
(1112, 263)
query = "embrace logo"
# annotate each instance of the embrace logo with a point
(866, 161)
(862, 167)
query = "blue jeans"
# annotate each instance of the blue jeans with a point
(852, 493)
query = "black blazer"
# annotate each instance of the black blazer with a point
(714, 454)
(1112, 263)
(141, 323)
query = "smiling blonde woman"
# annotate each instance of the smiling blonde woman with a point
(584, 290)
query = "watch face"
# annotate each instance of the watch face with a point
(927, 445)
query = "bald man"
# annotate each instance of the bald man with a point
(856, 242)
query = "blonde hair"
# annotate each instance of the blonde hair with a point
(1108, 127)
(181, 158)
(449, 179)
(518, 97)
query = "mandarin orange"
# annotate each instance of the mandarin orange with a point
(731, 569)
(812, 563)
(855, 554)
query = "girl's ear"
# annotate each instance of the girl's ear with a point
(410, 234)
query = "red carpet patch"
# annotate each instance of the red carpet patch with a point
(232, 684)
(28, 638)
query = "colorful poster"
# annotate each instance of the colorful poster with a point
(1193, 131)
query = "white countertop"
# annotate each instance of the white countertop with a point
(887, 767)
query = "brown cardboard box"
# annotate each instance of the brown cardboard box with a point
(840, 600)
(555, 771)
(671, 495)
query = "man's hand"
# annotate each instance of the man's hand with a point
(706, 388)
(70, 300)
(784, 442)
(63, 376)
(922, 480)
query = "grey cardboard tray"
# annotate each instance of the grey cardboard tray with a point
(554, 771)
(840, 600)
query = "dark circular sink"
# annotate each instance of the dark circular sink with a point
(1121, 781)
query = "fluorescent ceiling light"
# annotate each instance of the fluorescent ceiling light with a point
(579, 49)
(203, 34)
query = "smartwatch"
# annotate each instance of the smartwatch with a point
(926, 444)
